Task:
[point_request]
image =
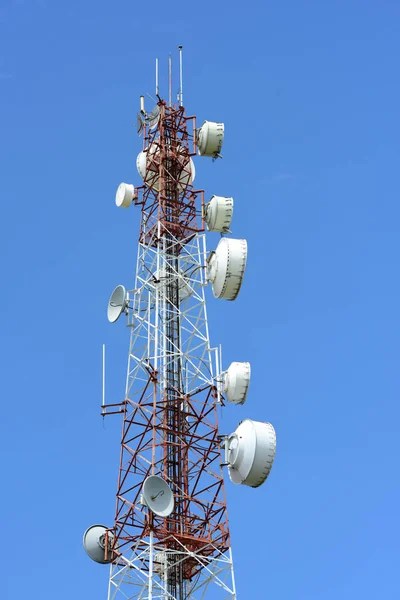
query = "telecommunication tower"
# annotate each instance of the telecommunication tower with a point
(170, 538)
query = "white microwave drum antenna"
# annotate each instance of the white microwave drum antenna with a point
(124, 195)
(151, 177)
(117, 304)
(210, 138)
(158, 496)
(218, 214)
(141, 164)
(94, 542)
(251, 453)
(236, 382)
(226, 268)
(144, 158)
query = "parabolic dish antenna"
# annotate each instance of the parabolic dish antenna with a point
(154, 117)
(218, 214)
(251, 453)
(210, 138)
(117, 303)
(124, 195)
(226, 268)
(158, 496)
(139, 124)
(237, 381)
(94, 542)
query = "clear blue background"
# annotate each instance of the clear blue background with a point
(309, 93)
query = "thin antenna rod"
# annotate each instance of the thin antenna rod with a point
(104, 375)
(156, 76)
(170, 78)
(180, 77)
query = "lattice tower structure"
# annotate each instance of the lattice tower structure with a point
(170, 419)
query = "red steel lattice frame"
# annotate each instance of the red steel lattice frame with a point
(156, 424)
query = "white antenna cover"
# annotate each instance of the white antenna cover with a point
(124, 195)
(144, 159)
(94, 542)
(251, 453)
(210, 138)
(141, 164)
(237, 381)
(218, 214)
(117, 303)
(183, 282)
(158, 496)
(226, 268)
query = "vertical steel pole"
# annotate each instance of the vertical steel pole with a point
(170, 79)
(180, 77)
(156, 76)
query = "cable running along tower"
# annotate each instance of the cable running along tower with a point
(170, 538)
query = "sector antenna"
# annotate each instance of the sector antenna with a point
(169, 538)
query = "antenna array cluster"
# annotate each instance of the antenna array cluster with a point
(167, 503)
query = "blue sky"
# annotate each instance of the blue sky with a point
(309, 93)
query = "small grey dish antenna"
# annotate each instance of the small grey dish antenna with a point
(154, 117)
(139, 124)
(95, 540)
(117, 304)
(158, 496)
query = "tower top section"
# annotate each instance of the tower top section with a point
(208, 139)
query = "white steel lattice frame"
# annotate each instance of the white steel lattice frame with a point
(170, 410)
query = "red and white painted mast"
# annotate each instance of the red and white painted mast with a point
(170, 538)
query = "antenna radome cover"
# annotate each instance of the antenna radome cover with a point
(237, 381)
(141, 164)
(218, 214)
(148, 161)
(210, 138)
(226, 268)
(94, 542)
(251, 453)
(124, 195)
